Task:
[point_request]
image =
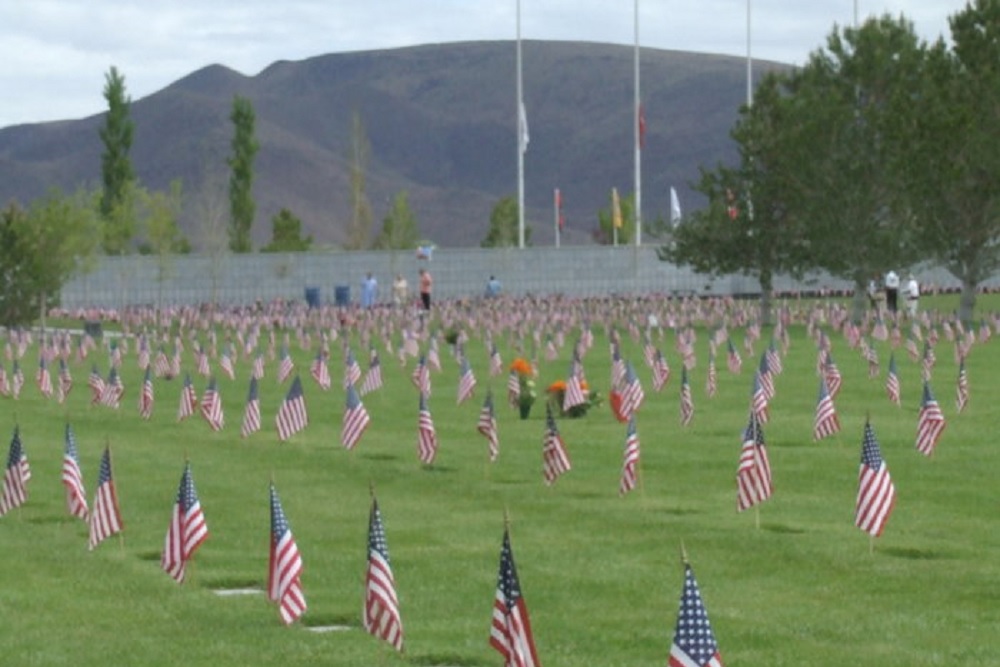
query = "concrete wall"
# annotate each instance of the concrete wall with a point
(572, 271)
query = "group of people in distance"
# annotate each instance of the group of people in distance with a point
(400, 290)
(891, 293)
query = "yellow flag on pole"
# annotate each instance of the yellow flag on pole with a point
(616, 209)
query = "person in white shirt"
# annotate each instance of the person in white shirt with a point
(912, 296)
(891, 291)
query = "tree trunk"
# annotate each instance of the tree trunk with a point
(766, 280)
(860, 301)
(967, 303)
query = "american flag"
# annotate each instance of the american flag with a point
(421, 377)
(15, 490)
(161, 364)
(694, 642)
(930, 423)
(617, 367)
(113, 391)
(202, 359)
(513, 389)
(487, 426)
(466, 382)
(766, 376)
(284, 566)
(352, 369)
(355, 420)
(373, 376)
(711, 379)
(753, 475)
(285, 365)
(758, 399)
(320, 372)
(555, 459)
(433, 358)
(381, 613)
(825, 422)
(258, 366)
(65, 380)
(146, 395)
(292, 416)
(187, 529)
(226, 363)
(630, 460)
(251, 413)
(733, 359)
(44, 378)
(189, 400)
(211, 406)
(16, 380)
(892, 381)
(661, 371)
(72, 478)
(496, 363)
(143, 358)
(687, 399)
(928, 360)
(871, 356)
(876, 492)
(105, 519)
(427, 444)
(96, 384)
(510, 632)
(4, 384)
(962, 390)
(832, 374)
(573, 395)
(632, 393)
(774, 363)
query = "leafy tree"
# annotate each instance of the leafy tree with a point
(116, 166)
(952, 165)
(754, 232)
(360, 227)
(158, 213)
(242, 208)
(841, 136)
(399, 227)
(41, 249)
(605, 232)
(286, 234)
(504, 223)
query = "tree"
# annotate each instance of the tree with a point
(399, 227)
(40, 249)
(360, 226)
(841, 136)
(242, 208)
(504, 222)
(952, 167)
(116, 166)
(754, 232)
(605, 232)
(159, 212)
(286, 234)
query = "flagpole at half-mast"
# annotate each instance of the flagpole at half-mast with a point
(636, 119)
(521, 121)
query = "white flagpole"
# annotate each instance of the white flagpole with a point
(520, 138)
(749, 62)
(555, 207)
(638, 136)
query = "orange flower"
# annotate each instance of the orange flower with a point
(556, 386)
(521, 367)
(583, 385)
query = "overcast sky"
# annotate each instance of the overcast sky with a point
(56, 52)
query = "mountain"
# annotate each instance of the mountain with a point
(441, 122)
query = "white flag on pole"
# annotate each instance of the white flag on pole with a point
(523, 122)
(675, 207)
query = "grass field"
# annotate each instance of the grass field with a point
(601, 574)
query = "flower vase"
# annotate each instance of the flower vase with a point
(525, 410)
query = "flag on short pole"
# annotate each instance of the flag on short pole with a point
(146, 395)
(892, 387)
(189, 399)
(16, 380)
(758, 399)
(251, 413)
(876, 492)
(381, 612)
(832, 374)
(630, 460)
(466, 382)
(753, 475)
(284, 566)
(105, 519)
(15, 489)
(373, 377)
(930, 423)
(555, 459)
(421, 377)
(733, 359)
(962, 390)
(112, 390)
(319, 371)
(825, 422)
(510, 631)
(427, 444)
(687, 400)
(285, 365)
(661, 371)
(487, 426)
(292, 416)
(352, 369)
(72, 478)
(187, 529)
(211, 406)
(694, 643)
(711, 379)
(44, 378)
(355, 420)
(632, 393)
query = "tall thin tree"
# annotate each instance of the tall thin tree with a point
(242, 207)
(359, 230)
(116, 166)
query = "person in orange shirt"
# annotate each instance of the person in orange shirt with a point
(426, 283)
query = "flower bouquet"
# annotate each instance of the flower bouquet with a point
(557, 395)
(526, 393)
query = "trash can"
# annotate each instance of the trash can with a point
(312, 297)
(342, 295)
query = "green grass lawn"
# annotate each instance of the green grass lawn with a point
(601, 574)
